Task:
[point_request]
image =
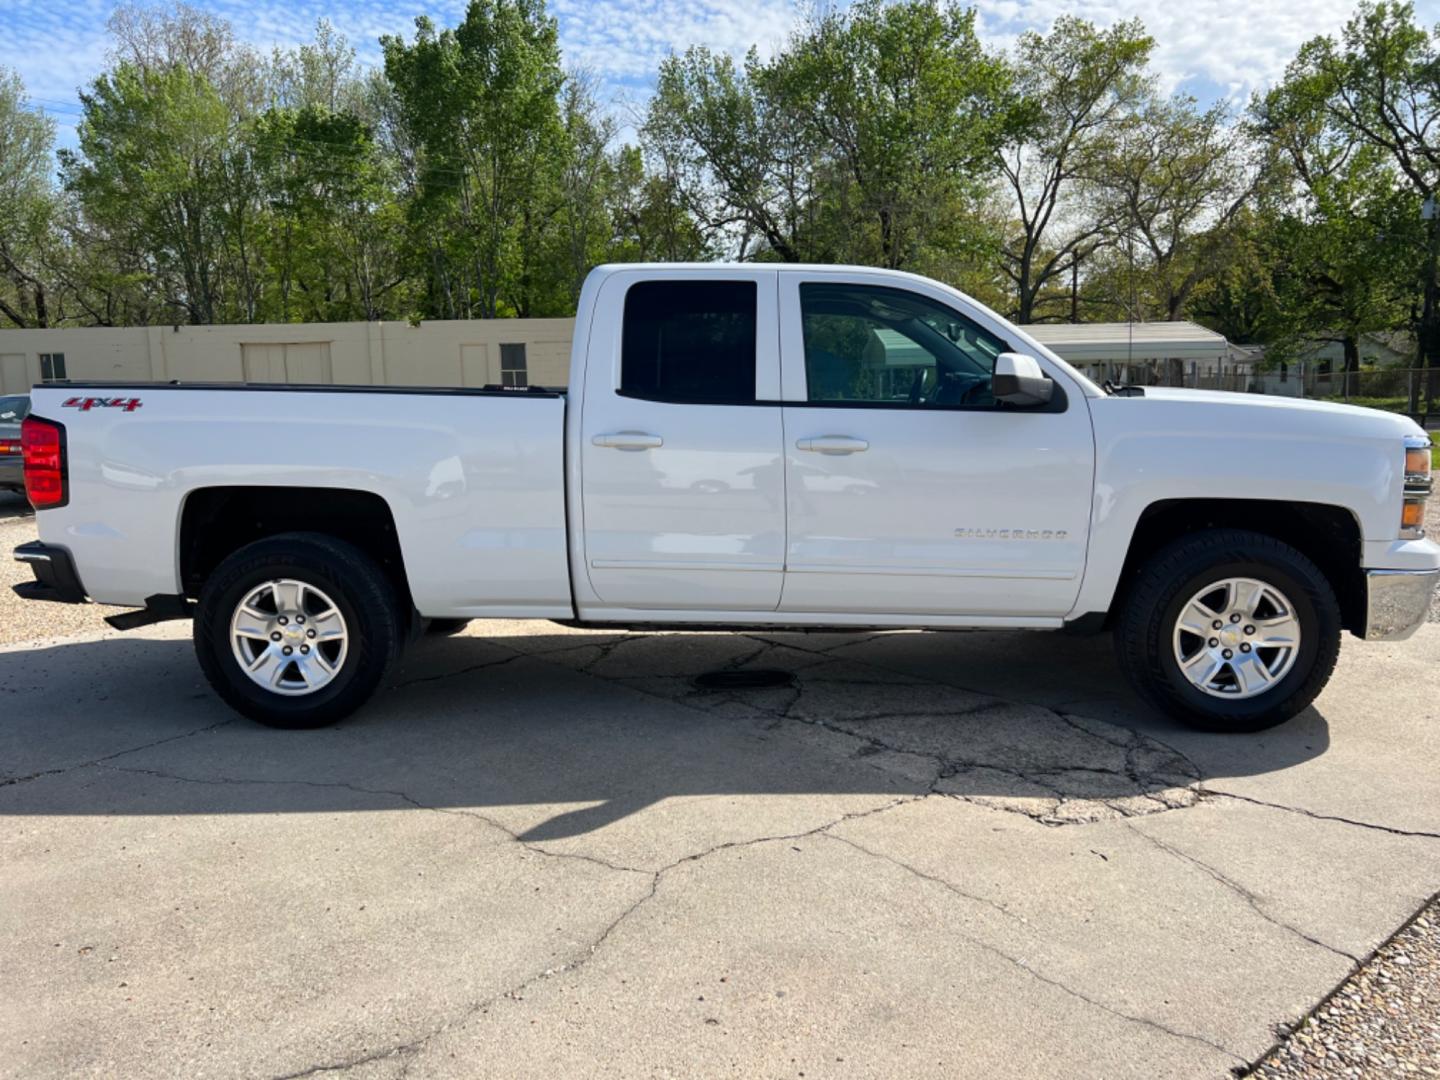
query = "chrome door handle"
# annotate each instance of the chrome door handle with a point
(628, 440)
(833, 444)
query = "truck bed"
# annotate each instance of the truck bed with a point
(473, 478)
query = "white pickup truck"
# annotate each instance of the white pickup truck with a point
(742, 446)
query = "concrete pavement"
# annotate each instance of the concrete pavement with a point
(543, 852)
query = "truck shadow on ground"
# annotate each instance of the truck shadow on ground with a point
(13, 506)
(563, 733)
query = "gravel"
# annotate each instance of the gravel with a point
(1383, 1022)
(23, 621)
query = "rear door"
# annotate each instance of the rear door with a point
(682, 478)
(911, 491)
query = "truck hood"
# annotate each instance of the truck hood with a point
(1255, 409)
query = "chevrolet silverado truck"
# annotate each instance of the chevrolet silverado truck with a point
(742, 446)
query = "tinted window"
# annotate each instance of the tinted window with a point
(52, 367)
(13, 409)
(869, 344)
(690, 341)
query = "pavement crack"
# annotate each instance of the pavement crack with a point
(455, 674)
(1001, 908)
(93, 762)
(1205, 792)
(1241, 891)
(1034, 973)
(581, 956)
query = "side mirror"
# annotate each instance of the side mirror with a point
(1020, 381)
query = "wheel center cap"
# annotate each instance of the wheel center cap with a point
(1231, 636)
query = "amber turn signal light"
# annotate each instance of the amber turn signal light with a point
(1412, 515)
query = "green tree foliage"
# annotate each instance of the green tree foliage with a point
(27, 209)
(863, 140)
(1345, 239)
(1079, 85)
(480, 106)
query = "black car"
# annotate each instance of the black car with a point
(12, 411)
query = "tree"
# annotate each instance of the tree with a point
(1342, 238)
(152, 173)
(1380, 85)
(331, 225)
(1078, 84)
(27, 208)
(1173, 179)
(863, 140)
(480, 109)
(741, 162)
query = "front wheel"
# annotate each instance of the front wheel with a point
(1228, 630)
(297, 630)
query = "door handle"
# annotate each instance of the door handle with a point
(628, 440)
(833, 444)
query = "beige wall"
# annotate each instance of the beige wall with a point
(440, 353)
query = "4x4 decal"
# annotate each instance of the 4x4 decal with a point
(85, 404)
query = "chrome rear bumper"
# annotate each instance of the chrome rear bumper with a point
(1397, 602)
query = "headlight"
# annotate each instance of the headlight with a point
(1417, 487)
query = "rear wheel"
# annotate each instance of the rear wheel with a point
(297, 630)
(1229, 630)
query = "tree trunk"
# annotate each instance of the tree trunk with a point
(1352, 366)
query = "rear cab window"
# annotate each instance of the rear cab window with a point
(690, 342)
(14, 409)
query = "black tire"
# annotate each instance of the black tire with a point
(358, 588)
(446, 627)
(1144, 642)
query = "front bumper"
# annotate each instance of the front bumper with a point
(55, 576)
(1397, 602)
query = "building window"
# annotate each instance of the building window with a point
(52, 367)
(512, 366)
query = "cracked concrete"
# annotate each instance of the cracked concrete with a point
(545, 851)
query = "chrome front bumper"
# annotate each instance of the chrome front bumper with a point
(1397, 602)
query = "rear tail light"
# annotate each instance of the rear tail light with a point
(47, 484)
(9, 446)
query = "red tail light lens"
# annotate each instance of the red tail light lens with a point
(9, 446)
(43, 444)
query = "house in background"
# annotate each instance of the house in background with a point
(1149, 354)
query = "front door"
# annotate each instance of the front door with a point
(910, 490)
(682, 478)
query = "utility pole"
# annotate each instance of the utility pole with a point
(1429, 329)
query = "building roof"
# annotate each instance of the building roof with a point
(1092, 343)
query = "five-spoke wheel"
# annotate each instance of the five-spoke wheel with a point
(1236, 637)
(1228, 630)
(297, 630)
(289, 637)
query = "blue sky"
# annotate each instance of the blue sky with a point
(1210, 48)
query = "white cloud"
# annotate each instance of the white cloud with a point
(1213, 48)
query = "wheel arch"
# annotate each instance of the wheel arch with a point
(1329, 535)
(216, 521)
